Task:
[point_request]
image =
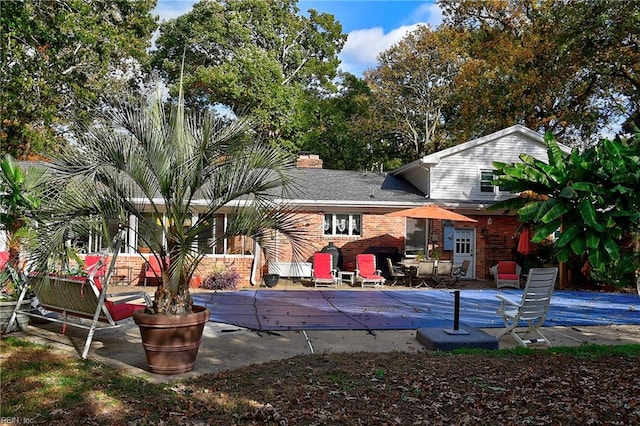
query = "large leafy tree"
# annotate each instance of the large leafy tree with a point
(411, 87)
(566, 67)
(592, 196)
(58, 57)
(338, 127)
(143, 156)
(257, 56)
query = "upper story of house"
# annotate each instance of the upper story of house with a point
(461, 176)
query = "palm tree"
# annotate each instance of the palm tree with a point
(146, 156)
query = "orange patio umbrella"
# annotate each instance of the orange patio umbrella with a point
(432, 211)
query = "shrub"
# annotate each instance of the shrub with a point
(222, 280)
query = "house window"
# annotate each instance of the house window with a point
(416, 237)
(486, 176)
(212, 241)
(342, 224)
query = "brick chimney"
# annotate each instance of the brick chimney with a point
(307, 160)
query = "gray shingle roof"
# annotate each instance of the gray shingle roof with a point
(347, 185)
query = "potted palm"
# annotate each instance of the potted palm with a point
(172, 171)
(20, 198)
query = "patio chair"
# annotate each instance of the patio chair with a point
(425, 271)
(443, 272)
(460, 271)
(82, 298)
(396, 271)
(506, 274)
(93, 261)
(152, 270)
(532, 309)
(366, 271)
(323, 274)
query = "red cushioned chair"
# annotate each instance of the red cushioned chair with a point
(323, 274)
(152, 270)
(366, 271)
(92, 261)
(506, 274)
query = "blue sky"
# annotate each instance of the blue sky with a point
(372, 26)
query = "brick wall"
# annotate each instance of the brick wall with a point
(495, 241)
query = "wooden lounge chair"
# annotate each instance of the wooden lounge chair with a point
(506, 274)
(323, 274)
(81, 298)
(532, 309)
(366, 272)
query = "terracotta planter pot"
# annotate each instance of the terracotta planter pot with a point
(171, 342)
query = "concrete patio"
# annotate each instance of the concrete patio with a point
(226, 347)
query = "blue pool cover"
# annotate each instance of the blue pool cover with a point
(273, 310)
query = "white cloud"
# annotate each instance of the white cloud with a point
(363, 46)
(429, 12)
(361, 50)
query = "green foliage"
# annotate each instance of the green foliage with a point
(57, 57)
(256, 56)
(570, 68)
(593, 196)
(144, 156)
(337, 128)
(20, 198)
(411, 86)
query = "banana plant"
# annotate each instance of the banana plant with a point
(592, 197)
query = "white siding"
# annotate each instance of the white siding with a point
(419, 177)
(457, 176)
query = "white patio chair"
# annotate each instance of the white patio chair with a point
(532, 309)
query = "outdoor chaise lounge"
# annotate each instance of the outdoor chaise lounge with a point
(366, 272)
(532, 309)
(323, 274)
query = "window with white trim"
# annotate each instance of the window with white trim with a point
(347, 224)
(211, 240)
(486, 176)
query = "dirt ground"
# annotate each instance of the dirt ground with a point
(539, 388)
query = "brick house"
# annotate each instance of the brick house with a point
(349, 208)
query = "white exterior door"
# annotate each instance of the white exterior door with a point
(464, 249)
